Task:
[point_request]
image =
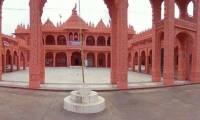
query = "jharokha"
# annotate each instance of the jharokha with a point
(170, 49)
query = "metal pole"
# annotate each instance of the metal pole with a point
(80, 36)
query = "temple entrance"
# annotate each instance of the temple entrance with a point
(61, 59)
(8, 61)
(49, 59)
(91, 59)
(76, 59)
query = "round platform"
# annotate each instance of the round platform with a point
(94, 107)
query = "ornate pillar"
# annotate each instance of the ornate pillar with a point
(122, 44)
(69, 55)
(169, 43)
(4, 62)
(106, 56)
(96, 61)
(195, 73)
(113, 55)
(139, 62)
(54, 59)
(133, 63)
(147, 63)
(11, 63)
(24, 61)
(18, 62)
(44, 37)
(55, 37)
(42, 72)
(1, 4)
(35, 44)
(156, 45)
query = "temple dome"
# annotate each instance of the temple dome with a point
(74, 21)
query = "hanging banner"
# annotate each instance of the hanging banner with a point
(75, 43)
(6, 43)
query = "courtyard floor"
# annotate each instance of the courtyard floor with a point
(74, 75)
(68, 78)
(174, 103)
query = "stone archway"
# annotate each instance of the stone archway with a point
(8, 61)
(91, 59)
(50, 40)
(101, 41)
(15, 60)
(49, 59)
(61, 40)
(101, 60)
(76, 59)
(90, 41)
(118, 8)
(61, 59)
(143, 63)
(184, 50)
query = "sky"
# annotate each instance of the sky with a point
(15, 12)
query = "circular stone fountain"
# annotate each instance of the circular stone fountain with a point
(83, 100)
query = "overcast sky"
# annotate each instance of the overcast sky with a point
(17, 11)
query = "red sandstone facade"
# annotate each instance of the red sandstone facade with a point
(171, 48)
(56, 42)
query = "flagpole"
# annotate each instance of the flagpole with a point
(80, 37)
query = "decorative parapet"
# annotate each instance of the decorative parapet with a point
(185, 24)
(22, 27)
(146, 34)
(101, 25)
(48, 24)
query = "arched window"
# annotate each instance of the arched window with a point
(177, 11)
(190, 9)
(162, 10)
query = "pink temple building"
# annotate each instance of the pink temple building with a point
(170, 49)
(56, 42)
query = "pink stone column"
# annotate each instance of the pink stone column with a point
(54, 59)
(133, 64)
(122, 44)
(24, 61)
(139, 63)
(195, 72)
(106, 54)
(4, 62)
(18, 62)
(11, 63)
(156, 45)
(42, 70)
(96, 61)
(1, 4)
(35, 38)
(113, 54)
(169, 29)
(147, 64)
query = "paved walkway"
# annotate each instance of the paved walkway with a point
(176, 103)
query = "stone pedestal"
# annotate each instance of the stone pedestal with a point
(83, 100)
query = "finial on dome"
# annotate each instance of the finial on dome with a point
(75, 7)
